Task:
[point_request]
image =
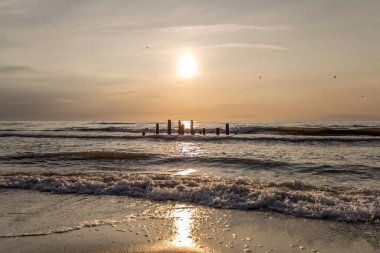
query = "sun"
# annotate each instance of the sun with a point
(187, 67)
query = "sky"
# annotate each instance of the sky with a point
(118, 60)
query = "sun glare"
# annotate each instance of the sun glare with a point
(186, 123)
(184, 225)
(187, 67)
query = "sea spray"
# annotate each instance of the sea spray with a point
(351, 204)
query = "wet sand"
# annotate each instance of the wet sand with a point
(122, 224)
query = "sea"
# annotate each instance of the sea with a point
(320, 170)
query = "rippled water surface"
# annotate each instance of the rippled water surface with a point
(323, 170)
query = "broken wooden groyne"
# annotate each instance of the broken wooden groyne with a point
(181, 129)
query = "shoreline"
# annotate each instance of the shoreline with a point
(138, 225)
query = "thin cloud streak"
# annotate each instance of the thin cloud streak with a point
(245, 45)
(221, 28)
(15, 68)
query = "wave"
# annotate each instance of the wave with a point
(289, 197)
(82, 155)
(311, 131)
(158, 159)
(299, 129)
(290, 139)
(314, 131)
(115, 123)
(121, 127)
(361, 172)
(7, 123)
(102, 129)
(84, 224)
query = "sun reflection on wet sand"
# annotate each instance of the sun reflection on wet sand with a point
(179, 228)
(183, 225)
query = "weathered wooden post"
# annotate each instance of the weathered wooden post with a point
(169, 127)
(179, 127)
(227, 129)
(192, 127)
(157, 128)
(183, 129)
(204, 131)
(217, 131)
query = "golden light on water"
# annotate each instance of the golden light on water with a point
(187, 124)
(187, 66)
(188, 149)
(186, 172)
(183, 224)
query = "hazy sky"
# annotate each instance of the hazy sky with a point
(88, 60)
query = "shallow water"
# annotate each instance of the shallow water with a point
(106, 223)
(319, 170)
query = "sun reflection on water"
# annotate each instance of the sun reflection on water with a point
(186, 172)
(187, 124)
(188, 148)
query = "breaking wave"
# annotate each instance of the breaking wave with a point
(115, 123)
(131, 127)
(290, 139)
(82, 155)
(143, 158)
(102, 129)
(296, 198)
(248, 163)
(84, 224)
(312, 131)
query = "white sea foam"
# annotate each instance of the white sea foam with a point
(250, 137)
(289, 197)
(84, 224)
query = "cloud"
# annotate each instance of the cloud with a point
(221, 28)
(245, 45)
(15, 68)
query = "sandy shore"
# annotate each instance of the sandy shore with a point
(41, 222)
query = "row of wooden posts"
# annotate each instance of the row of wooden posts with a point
(181, 128)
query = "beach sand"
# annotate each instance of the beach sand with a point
(42, 222)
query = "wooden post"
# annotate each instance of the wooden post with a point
(169, 127)
(143, 133)
(179, 127)
(217, 131)
(157, 128)
(183, 129)
(227, 129)
(204, 131)
(192, 127)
